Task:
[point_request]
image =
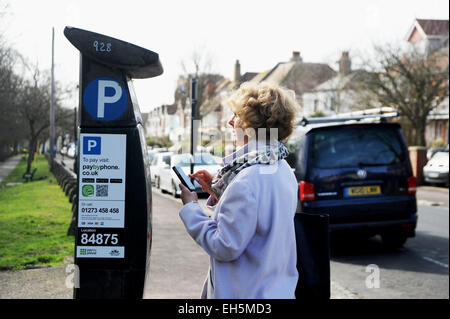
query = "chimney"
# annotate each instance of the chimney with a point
(237, 72)
(296, 57)
(345, 65)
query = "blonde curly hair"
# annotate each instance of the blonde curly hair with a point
(265, 105)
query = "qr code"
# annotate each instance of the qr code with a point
(101, 190)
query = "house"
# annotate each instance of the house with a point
(160, 122)
(302, 77)
(431, 37)
(428, 35)
(174, 120)
(338, 94)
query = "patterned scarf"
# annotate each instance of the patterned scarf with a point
(266, 154)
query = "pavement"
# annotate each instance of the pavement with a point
(7, 166)
(432, 196)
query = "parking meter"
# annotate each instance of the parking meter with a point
(114, 231)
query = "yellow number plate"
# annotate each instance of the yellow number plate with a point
(363, 190)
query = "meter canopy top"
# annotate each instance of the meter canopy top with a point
(137, 62)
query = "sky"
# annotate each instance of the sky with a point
(258, 33)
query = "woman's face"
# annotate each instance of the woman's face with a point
(238, 132)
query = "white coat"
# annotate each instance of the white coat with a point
(251, 237)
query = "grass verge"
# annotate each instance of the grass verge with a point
(34, 218)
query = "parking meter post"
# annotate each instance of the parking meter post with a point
(113, 234)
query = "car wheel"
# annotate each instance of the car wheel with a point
(396, 240)
(174, 190)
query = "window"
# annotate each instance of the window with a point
(332, 104)
(439, 130)
(316, 105)
(356, 146)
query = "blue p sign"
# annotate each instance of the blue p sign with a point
(105, 99)
(92, 145)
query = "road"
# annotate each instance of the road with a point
(418, 270)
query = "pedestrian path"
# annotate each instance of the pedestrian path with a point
(7, 166)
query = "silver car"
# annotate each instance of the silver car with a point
(160, 161)
(436, 170)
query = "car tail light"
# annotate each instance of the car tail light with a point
(306, 191)
(412, 185)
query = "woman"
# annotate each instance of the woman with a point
(251, 237)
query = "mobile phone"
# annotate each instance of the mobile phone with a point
(185, 180)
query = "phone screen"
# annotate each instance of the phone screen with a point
(184, 178)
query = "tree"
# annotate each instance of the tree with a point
(10, 84)
(408, 80)
(199, 66)
(33, 107)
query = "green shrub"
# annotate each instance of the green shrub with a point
(163, 141)
(438, 143)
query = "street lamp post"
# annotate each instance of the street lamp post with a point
(52, 106)
(194, 93)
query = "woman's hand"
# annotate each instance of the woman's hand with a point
(186, 195)
(204, 178)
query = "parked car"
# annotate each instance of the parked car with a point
(71, 150)
(63, 150)
(360, 174)
(151, 153)
(159, 161)
(169, 180)
(433, 150)
(436, 170)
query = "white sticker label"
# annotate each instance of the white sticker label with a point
(100, 252)
(101, 214)
(102, 180)
(101, 203)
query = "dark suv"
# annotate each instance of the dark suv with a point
(359, 173)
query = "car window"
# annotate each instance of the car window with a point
(200, 159)
(293, 145)
(181, 160)
(356, 146)
(166, 159)
(204, 159)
